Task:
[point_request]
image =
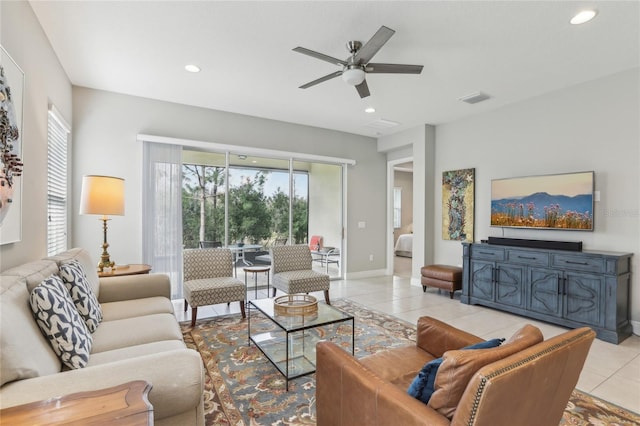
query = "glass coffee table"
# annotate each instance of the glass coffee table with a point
(291, 347)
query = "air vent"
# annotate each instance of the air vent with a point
(382, 124)
(474, 98)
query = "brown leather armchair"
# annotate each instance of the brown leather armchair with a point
(526, 381)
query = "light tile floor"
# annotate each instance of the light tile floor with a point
(612, 372)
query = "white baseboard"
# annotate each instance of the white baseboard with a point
(365, 274)
(635, 325)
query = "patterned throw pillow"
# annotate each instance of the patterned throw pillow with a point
(60, 322)
(84, 298)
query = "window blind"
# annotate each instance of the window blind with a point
(397, 207)
(58, 136)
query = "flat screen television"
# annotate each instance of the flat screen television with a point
(560, 201)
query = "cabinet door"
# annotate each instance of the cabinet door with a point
(482, 280)
(545, 291)
(509, 284)
(583, 294)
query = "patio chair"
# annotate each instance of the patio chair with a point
(210, 244)
(292, 273)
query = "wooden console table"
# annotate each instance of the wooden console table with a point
(133, 269)
(125, 404)
(572, 289)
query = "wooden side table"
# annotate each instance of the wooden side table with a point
(133, 269)
(125, 404)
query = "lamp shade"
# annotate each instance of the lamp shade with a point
(102, 195)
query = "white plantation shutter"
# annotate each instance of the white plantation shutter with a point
(58, 136)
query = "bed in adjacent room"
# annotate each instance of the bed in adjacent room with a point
(404, 245)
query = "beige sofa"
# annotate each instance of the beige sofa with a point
(138, 339)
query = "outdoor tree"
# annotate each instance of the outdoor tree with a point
(300, 220)
(200, 184)
(248, 211)
(279, 210)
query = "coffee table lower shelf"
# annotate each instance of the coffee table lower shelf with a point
(300, 360)
(292, 347)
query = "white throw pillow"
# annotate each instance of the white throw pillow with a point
(83, 297)
(60, 322)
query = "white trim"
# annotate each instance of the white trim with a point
(366, 274)
(56, 115)
(635, 325)
(213, 146)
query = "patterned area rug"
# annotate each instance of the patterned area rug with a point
(243, 388)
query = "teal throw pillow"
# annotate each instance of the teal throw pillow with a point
(423, 386)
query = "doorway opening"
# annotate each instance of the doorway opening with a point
(400, 248)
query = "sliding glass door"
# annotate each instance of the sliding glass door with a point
(233, 198)
(203, 199)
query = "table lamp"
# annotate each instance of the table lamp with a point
(103, 195)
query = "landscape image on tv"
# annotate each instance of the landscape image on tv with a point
(563, 201)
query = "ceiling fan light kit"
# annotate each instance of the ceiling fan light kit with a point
(353, 76)
(355, 68)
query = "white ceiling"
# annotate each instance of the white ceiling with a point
(512, 50)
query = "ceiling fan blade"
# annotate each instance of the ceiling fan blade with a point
(321, 79)
(393, 69)
(363, 89)
(366, 52)
(320, 56)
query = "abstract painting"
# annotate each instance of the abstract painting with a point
(11, 92)
(458, 191)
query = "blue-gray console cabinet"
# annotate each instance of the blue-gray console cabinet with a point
(572, 289)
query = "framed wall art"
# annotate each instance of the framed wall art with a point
(11, 100)
(458, 192)
(562, 201)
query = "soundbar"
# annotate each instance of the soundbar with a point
(542, 244)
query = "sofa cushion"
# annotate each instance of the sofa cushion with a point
(136, 308)
(423, 385)
(34, 272)
(25, 351)
(83, 297)
(397, 365)
(60, 322)
(134, 352)
(135, 331)
(458, 366)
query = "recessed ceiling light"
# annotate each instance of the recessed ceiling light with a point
(370, 110)
(192, 68)
(583, 16)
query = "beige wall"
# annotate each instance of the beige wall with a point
(590, 126)
(105, 130)
(45, 83)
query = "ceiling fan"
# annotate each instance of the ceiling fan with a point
(357, 65)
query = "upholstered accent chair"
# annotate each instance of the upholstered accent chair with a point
(292, 273)
(526, 381)
(208, 280)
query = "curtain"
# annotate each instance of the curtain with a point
(162, 211)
